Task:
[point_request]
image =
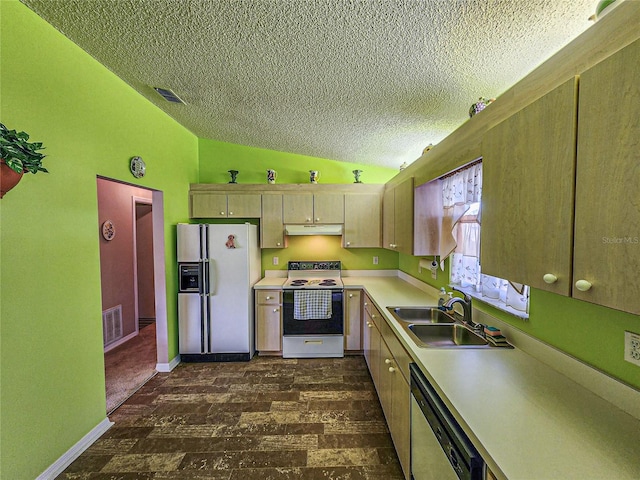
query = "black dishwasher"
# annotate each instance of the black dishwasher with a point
(440, 449)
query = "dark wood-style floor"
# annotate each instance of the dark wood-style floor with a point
(270, 418)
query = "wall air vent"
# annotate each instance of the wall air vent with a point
(112, 325)
(168, 95)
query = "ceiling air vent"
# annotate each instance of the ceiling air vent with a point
(168, 95)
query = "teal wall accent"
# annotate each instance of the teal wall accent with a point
(216, 158)
(92, 123)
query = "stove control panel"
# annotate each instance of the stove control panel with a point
(333, 265)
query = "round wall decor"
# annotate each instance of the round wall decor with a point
(108, 230)
(138, 167)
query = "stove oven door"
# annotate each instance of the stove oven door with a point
(329, 326)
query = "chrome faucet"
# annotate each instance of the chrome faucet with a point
(466, 307)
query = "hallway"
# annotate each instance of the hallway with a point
(129, 365)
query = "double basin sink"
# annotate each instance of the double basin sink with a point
(431, 327)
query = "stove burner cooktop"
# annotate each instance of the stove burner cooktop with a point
(314, 275)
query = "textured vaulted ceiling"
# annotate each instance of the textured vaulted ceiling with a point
(364, 81)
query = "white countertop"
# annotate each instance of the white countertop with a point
(527, 420)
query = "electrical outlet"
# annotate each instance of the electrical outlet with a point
(375, 260)
(275, 260)
(632, 348)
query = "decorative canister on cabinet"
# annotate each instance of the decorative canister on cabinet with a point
(271, 176)
(314, 175)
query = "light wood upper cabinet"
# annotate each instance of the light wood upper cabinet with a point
(397, 217)
(585, 239)
(527, 195)
(271, 224)
(320, 208)
(427, 213)
(362, 219)
(607, 212)
(219, 205)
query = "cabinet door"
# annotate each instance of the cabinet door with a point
(427, 213)
(268, 320)
(367, 325)
(385, 381)
(353, 320)
(297, 208)
(244, 206)
(208, 205)
(528, 188)
(268, 328)
(607, 217)
(403, 216)
(328, 208)
(271, 225)
(388, 219)
(362, 215)
(401, 419)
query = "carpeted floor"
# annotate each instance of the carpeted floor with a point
(128, 366)
(267, 419)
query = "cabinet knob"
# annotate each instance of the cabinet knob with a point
(369, 324)
(373, 316)
(391, 369)
(583, 285)
(221, 213)
(308, 219)
(348, 243)
(277, 244)
(268, 298)
(393, 245)
(230, 213)
(365, 304)
(318, 219)
(275, 309)
(550, 278)
(387, 361)
(351, 295)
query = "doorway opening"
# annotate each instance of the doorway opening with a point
(133, 285)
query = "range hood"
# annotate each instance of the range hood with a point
(313, 229)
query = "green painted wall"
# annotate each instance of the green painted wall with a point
(92, 123)
(589, 332)
(328, 248)
(216, 158)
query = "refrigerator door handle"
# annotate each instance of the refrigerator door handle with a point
(212, 278)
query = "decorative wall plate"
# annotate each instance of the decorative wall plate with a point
(108, 230)
(138, 167)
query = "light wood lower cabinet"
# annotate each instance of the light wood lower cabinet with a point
(352, 320)
(388, 364)
(268, 321)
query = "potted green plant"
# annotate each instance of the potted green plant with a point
(17, 156)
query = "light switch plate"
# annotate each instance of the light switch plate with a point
(632, 348)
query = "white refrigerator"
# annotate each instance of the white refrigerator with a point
(217, 268)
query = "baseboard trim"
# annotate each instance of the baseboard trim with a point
(74, 452)
(121, 341)
(167, 367)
